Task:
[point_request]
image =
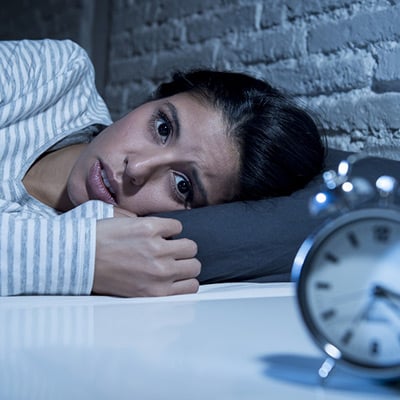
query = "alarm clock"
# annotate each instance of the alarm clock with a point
(347, 274)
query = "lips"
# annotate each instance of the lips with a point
(106, 182)
(98, 184)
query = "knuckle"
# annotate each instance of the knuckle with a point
(161, 271)
(147, 227)
(159, 290)
(155, 247)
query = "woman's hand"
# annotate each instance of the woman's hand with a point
(135, 257)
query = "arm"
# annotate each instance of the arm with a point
(46, 255)
(75, 254)
(45, 77)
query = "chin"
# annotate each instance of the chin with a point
(75, 198)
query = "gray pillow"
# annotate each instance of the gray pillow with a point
(257, 241)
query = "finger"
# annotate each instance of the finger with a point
(181, 249)
(121, 212)
(186, 269)
(165, 227)
(186, 286)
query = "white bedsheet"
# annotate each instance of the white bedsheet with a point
(229, 341)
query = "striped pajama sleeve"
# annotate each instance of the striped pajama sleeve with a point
(47, 93)
(49, 255)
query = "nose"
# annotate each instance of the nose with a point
(140, 168)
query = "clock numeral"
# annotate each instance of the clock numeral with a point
(347, 337)
(331, 257)
(374, 349)
(353, 239)
(328, 314)
(381, 233)
(322, 285)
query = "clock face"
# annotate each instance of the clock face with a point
(349, 289)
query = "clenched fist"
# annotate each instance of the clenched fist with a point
(136, 257)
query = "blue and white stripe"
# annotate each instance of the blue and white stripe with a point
(47, 93)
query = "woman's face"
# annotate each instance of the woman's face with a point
(166, 155)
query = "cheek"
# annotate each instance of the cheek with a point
(76, 188)
(152, 198)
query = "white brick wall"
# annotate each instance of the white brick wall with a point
(340, 57)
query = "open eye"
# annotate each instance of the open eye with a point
(163, 127)
(184, 188)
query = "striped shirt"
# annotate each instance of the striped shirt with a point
(47, 95)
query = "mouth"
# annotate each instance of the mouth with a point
(99, 186)
(106, 182)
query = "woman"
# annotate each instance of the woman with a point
(71, 191)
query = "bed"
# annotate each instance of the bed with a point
(229, 341)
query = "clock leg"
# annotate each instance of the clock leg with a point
(326, 368)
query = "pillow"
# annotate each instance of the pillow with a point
(258, 240)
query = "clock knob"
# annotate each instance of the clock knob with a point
(342, 192)
(340, 195)
(387, 187)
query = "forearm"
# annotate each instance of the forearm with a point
(49, 255)
(44, 256)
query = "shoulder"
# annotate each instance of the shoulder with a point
(46, 55)
(44, 47)
(28, 65)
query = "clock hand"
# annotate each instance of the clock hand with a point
(394, 312)
(388, 295)
(381, 291)
(378, 292)
(363, 314)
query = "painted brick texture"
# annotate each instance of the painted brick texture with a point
(339, 57)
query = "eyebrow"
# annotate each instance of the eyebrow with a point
(195, 174)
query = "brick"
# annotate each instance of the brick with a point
(156, 67)
(166, 37)
(343, 141)
(130, 18)
(360, 110)
(272, 12)
(317, 75)
(138, 93)
(21, 20)
(217, 24)
(115, 97)
(266, 47)
(360, 30)
(167, 62)
(384, 146)
(179, 9)
(387, 75)
(149, 12)
(131, 69)
(121, 46)
(296, 8)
